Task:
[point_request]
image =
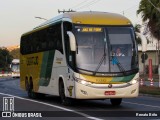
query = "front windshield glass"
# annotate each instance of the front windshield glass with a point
(122, 48)
(15, 68)
(105, 49)
(91, 43)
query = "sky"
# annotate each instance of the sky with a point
(18, 16)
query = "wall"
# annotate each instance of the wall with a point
(151, 55)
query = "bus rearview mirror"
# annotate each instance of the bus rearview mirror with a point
(72, 41)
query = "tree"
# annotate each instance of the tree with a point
(152, 15)
(137, 30)
(5, 58)
(15, 53)
(150, 11)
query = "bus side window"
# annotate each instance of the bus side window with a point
(42, 40)
(22, 48)
(58, 37)
(50, 44)
(38, 45)
(28, 46)
(50, 38)
(35, 42)
(59, 46)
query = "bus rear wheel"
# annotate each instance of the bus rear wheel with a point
(29, 89)
(35, 95)
(31, 93)
(116, 101)
(64, 100)
(26, 85)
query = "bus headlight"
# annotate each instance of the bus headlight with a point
(134, 81)
(84, 82)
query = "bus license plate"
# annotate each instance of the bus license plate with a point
(110, 92)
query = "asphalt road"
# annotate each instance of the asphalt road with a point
(140, 108)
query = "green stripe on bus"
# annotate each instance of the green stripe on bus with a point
(46, 68)
(123, 79)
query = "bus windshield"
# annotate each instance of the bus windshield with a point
(15, 68)
(106, 49)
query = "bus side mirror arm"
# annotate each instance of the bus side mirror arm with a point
(72, 41)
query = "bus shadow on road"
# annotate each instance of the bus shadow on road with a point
(82, 104)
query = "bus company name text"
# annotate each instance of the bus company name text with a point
(32, 60)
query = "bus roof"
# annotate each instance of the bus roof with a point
(97, 18)
(15, 61)
(92, 18)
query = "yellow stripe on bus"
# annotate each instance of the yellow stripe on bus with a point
(98, 80)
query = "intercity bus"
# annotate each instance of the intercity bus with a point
(74, 56)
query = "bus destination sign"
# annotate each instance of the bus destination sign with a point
(91, 29)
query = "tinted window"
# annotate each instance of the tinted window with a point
(46, 39)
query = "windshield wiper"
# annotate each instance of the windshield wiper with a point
(121, 68)
(100, 63)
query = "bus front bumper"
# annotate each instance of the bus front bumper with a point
(99, 91)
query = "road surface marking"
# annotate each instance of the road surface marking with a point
(142, 104)
(62, 108)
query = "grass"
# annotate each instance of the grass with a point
(149, 90)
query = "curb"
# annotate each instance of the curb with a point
(149, 95)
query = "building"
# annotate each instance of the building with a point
(152, 52)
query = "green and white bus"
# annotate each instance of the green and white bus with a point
(74, 56)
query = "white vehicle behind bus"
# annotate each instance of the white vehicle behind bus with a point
(15, 68)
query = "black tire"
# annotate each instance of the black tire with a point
(34, 95)
(64, 100)
(26, 85)
(116, 101)
(30, 92)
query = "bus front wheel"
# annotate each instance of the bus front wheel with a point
(65, 101)
(116, 101)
